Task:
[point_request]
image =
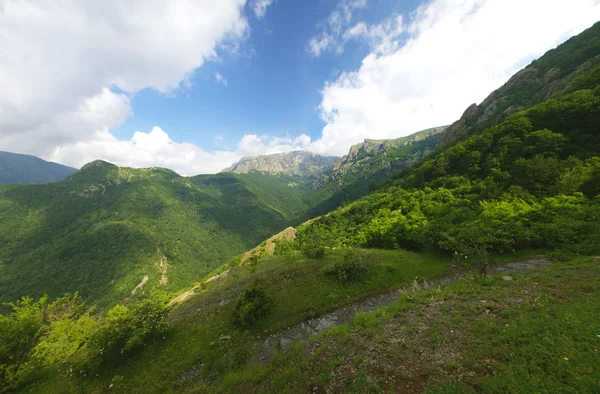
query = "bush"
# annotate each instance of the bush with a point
(314, 251)
(284, 247)
(252, 305)
(128, 328)
(349, 270)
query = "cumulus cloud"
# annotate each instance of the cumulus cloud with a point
(425, 71)
(62, 63)
(156, 149)
(221, 79)
(260, 8)
(331, 37)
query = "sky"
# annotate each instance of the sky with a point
(194, 85)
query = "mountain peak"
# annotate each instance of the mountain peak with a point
(297, 163)
(97, 163)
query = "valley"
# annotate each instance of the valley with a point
(461, 258)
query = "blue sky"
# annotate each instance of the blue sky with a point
(194, 85)
(273, 85)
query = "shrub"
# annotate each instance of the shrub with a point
(284, 247)
(313, 251)
(128, 328)
(349, 270)
(252, 305)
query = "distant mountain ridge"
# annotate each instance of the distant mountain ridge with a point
(571, 66)
(389, 155)
(297, 163)
(26, 169)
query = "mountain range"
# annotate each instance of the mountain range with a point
(192, 292)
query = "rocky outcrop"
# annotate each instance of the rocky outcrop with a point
(299, 163)
(382, 155)
(541, 80)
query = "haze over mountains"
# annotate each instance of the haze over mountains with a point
(26, 169)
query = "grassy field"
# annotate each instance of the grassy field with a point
(536, 333)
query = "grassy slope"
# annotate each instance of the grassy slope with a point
(103, 229)
(299, 290)
(536, 333)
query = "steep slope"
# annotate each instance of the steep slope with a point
(106, 229)
(26, 169)
(571, 66)
(367, 166)
(531, 181)
(299, 163)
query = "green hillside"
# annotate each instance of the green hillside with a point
(531, 181)
(406, 289)
(367, 166)
(26, 169)
(104, 229)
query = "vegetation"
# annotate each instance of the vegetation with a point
(536, 333)
(192, 355)
(66, 335)
(104, 229)
(526, 183)
(251, 306)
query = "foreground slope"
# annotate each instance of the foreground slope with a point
(26, 169)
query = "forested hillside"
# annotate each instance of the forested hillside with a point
(571, 66)
(531, 181)
(107, 229)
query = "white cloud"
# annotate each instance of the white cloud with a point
(62, 62)
(451, 54)
(331, 36)
(156, 149)
(260, 8)
(221, 79)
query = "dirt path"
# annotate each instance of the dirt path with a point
(301, 332)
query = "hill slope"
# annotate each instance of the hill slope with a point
(26, 169)
(104, 229)
(572, 66)
(366, 167)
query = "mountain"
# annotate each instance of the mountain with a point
(299, 163)
(107, 229)
(504, 189)
(26, 169)
(574, 65)
(366, 167)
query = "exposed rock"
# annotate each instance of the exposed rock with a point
(215, 278)
(140, 285)
(268, 249)
(299, 163)
(534, 77)
(369, 156)
(507, 278)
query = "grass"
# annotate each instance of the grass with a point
(537, 333)
(192, 357)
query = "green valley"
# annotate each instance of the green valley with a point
(460, 259)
